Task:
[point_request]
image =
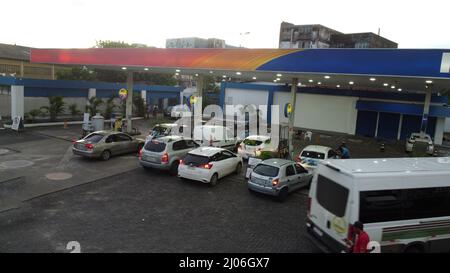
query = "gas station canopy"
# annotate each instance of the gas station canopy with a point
(372, 69)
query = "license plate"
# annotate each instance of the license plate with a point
(317, 231)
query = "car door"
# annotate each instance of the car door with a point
(290, 176)
(112, 144)
(125, 143)
(179, 149)
(303, 176)
(230, 161)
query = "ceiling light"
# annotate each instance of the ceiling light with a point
(274, 80)
(176, 74)
(238, 73)
(319, 83)
(338, 86)
(399, 90)
(279, 75)
(196, 75)
(254, 78)
(224, 76)
(311, 81)
(393, 87)
(372, 79)
(124, 68)
(210, 72)
(278, 79)
(385, 84)
(146, 69)
(351, 83)
(327, 77)
(177, 70)
(429, 81)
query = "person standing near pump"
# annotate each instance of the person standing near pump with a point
(360, 240)
(118, 125)
(344, 151)
(112, 121)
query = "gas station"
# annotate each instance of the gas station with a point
(423, 73)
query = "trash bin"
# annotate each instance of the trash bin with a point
(98, 122)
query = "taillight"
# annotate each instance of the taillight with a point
(275, 182)
(140, 153)
(89, 146)
(207, 166)
(74, 141)
(165, 158)
(181, 162)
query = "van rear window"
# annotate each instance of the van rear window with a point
(155, 146)
(332, 196)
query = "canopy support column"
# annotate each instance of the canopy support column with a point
(294, 89)
(129, 101)
(426, 110)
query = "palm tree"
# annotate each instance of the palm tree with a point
(73, 108)
(110, 107)
(93, 104)
(56, 107)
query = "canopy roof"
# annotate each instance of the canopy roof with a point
(380, 69)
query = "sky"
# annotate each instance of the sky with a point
(80, 23)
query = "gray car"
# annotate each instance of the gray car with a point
(164, 153)
(104, 144)
(278, 177)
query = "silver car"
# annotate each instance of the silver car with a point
(164, 153)
(278, 177)
(104, 144)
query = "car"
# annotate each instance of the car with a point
(180, 111)
(416, 139)
(161, 130)
(215, 136)
(209, 164)
(278, 177)
(312, 155)
(254, 145)
(104, 144)
(164, 153)
(168, 111)
(403, 202)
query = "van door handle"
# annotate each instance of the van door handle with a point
(328, 224)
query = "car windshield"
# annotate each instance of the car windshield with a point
(311, 154)
(266, 170)
(159, 130)
(196, 160)
(252, 142)
(94, 138)
(155, 146)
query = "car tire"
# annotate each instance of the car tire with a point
(174, 168)
(239, 168)
(414, 249)
(106, 155)
(214, 179)
(282, 195)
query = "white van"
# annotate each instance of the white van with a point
(215, 136)
(404, 203)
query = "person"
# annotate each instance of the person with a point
(149, 110)
(113, 121)
(361, 239)
(344, 151)
(118, 125)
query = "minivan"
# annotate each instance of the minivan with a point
(404, 203)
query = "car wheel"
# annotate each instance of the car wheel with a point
(106, 155)
(239, 168)
(174, 168)
(282, 195)
(213, 181)
(414, 249)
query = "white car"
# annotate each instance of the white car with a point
(209, 164)
(215, 136)
(312, 155)
(414, 138)
(254, 145)
(179, 111)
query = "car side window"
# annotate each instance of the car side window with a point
(290, 170)
(227, 154)
(179, 145)
(110, 139)
(191, 144)
(122, 137)
(331, 154)
(299, 169)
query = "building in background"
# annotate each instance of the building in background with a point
(318, 36)
(195, 42)
(15, 62)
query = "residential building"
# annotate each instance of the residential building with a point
(195, 42)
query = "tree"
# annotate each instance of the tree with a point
(33, 114)
(93, 104)
(56, 107)
(73, 109)
(110, 107)
(76, 73)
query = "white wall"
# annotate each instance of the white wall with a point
(321, 112)
(439, 131)
(447, 125)
(5, 105)
(244, 97)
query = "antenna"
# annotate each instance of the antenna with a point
(379, 30)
